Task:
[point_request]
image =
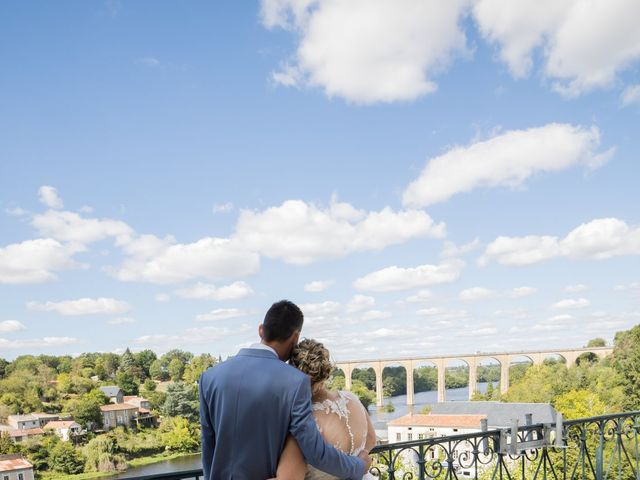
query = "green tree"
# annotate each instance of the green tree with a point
(182, 401)
(158, 371)
(86, 409)
(366, 396)
(127, 382)
(579, 404)
(597, 342)
(3, 367)
(102, 455)
(64, 458)
(149, 385)
(197, 366)
(179, 435)
(626, 361)
(176, 369)
(143, 360)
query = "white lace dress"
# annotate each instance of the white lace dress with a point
(343, 423)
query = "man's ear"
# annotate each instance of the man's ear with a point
(261, 331)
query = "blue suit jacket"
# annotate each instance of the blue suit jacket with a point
(248, 405)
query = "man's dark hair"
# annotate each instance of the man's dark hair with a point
(282, 319)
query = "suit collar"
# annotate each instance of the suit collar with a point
(257, 352)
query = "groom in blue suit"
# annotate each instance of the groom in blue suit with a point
(249, 403)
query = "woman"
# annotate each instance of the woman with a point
(341, 418)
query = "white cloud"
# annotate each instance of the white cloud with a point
(558, 322)
(35, 261)
(580, 287)
(49, 196)
(571, 303)
(398, 278)
(71, 227)
(16, 211)
(206, 291)
(599, 239)
(190, 336)
(45, 342)
(630, 95)
(162, 297)
(506, 159)
(302, 233)
(317, 286)
(452, 250)
(370, 315)
(121, 321)
(166, 262)
(421, 296)
(222, 207)
(584, 44)
(7, 326)
(222, 314)
(319, 310)
(368, 51)
(82, 306)
(360, 302)
(476, 293)
(149, 62)
(520, 292)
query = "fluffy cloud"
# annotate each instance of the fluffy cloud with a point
(205, 291)
(222, 207)
(35, 261)
(222, 314)
(421, 296)
(507, 159)
(7, 326)
(82, 306)
(121, 321)
(301, 233)
(360, 302)
(520, 292)
(320, 310)
(162, 261)
(571, 303)
(368, 51)
(558, 322)
(398, 278)
(584, 44)
(599, 239)
(46, 342)
(580, 287)
(72, 227)
(476, 293)
(452, 250)
(317, 286)
(49, 196)
(190, 336)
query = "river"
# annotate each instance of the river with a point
(378, 417)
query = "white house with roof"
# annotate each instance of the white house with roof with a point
(23, 422)
(118, 414)
(15, 467)
(419, 427)
(114, 393)
(45, 418)
(64, 429)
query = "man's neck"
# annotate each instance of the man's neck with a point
(280, 349)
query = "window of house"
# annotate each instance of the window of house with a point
(466, 473)
(398, 437)
(455, 429)
(410, 436)
(5, 477)
(20, 476)
(421, 436)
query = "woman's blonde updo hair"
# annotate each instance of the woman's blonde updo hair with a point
(310, 357)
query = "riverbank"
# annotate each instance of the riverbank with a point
(131, 464)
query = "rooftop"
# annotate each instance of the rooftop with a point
(111, 390)
(61, 424)
(25, 432)
(498, 414)
(118, 406)
(9, 463)
(431, 420)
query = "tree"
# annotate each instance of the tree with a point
(157, 371)
(182, 401)
(127, 382)
(144, 359)
(626, 361)
(86, 409)
(579, 404)
(176, 369)
(366, 396)
(3, 367)
(597, 342)
(149, 385)
(197, 366)
(179, 435)
(102, 455)
(64, 458)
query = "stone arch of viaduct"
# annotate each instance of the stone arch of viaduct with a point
(472, 360)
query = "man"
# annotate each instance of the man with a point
(249, 403)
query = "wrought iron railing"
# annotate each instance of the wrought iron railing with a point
(597, 448)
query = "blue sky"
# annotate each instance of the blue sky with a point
(421, 178)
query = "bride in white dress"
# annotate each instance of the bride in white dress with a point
(340, 416)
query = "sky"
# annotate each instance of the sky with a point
(421, 177)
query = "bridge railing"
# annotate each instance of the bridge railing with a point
(596, 448)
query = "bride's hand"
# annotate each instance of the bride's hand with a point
(364, 456)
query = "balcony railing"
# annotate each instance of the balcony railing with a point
(596, 448)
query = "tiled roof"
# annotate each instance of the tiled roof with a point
(457, 421)
(117, 406)
(128, 398)
(24, 432)
(110, 390)
(22, 418)
(10, 463)
(61, 424)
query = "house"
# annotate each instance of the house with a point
(20, 434)
(114, 415)
(64, 429)
(45, 418)
(419, 427)
(139, 402)
(23, 422)
(15, 467)
(143, 417)
(114, 393)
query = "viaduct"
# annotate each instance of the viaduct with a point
(472, 360)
